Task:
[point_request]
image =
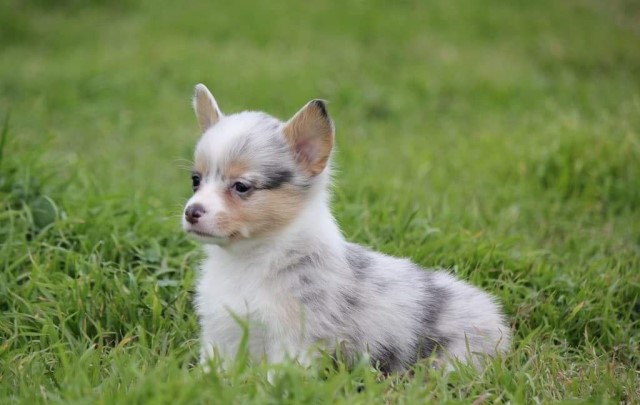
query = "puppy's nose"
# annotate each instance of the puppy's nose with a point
(193, 212)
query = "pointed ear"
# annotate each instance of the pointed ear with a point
(206, 108)
(310, 135)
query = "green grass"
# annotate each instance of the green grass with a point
(500, 139)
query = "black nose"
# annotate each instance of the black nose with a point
(193, 212)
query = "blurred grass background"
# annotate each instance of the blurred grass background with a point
(500, 139)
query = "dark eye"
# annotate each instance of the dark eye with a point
(195, 181)
(240, 187)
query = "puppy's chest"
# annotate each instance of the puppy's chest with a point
(272, 303)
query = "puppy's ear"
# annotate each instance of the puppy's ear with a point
(205, 107)
(310, 135)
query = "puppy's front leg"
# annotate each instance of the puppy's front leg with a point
(280, 353)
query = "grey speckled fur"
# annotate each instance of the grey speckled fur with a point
(350, 314)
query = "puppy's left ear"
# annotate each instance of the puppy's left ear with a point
(206, 108)
(310, 135)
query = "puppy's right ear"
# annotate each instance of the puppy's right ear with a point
(206, 108)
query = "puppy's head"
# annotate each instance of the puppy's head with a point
(253, 174)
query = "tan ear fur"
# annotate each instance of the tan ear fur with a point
(206, 108)
(310, 135)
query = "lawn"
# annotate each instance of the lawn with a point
(498, 139)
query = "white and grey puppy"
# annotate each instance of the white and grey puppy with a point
(276, 258)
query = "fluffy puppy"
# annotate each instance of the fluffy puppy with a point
(276, 258)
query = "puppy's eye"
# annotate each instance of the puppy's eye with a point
(240, 187)
(195, 181)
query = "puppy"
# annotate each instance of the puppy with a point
(276, 259)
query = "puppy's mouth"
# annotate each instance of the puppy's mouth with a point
(204, 234)
(210, 238)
